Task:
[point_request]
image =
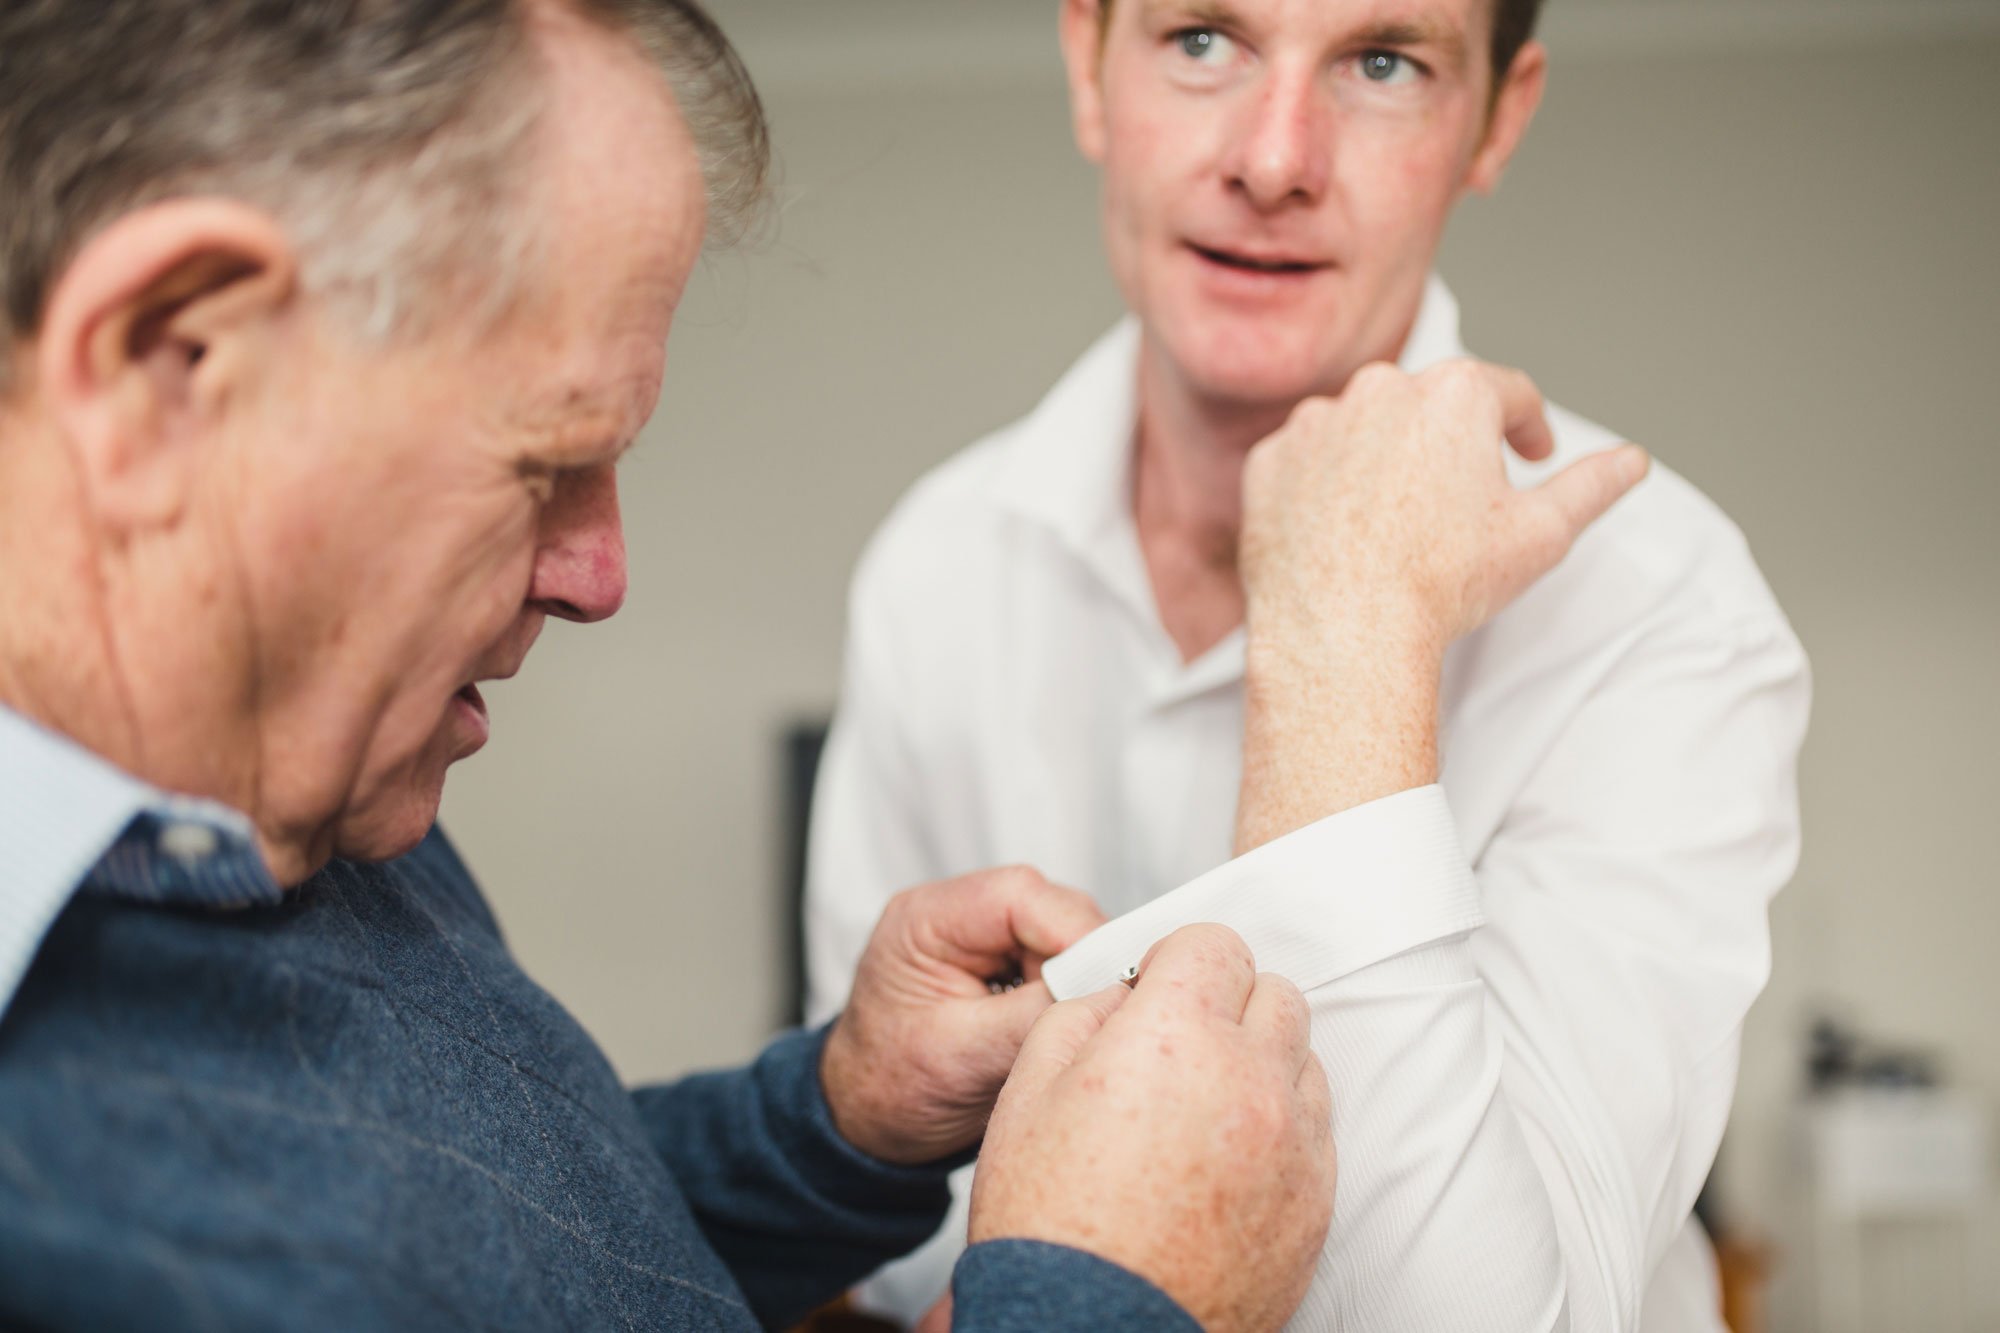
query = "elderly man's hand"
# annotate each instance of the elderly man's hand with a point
(1378, 527)
(914, 1062)
(1181, 1131)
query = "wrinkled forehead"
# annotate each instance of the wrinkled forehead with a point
(618, 183)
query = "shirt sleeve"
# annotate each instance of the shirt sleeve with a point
(1526, 1107)
(794, 1211)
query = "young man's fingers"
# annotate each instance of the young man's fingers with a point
(1524, 417)
(1581, 492)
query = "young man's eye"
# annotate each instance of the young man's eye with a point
(1205, 45)
(1387, 67)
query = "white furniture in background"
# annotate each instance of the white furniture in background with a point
(1886, 1162)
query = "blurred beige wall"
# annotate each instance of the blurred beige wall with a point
(1765, 249)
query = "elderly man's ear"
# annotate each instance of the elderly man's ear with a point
(155, 330)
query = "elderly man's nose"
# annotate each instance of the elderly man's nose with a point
(1282, 154)
(580, 563)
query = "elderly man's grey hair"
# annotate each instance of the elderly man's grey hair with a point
(383, 133)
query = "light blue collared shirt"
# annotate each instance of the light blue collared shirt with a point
(70, 822)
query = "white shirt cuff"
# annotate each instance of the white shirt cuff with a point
(1315, 905)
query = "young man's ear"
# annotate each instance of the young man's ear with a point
(1513, 108)
(147, 334)
(1084, 24)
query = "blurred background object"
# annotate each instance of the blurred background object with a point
(1895, 1184)
(1757, 235)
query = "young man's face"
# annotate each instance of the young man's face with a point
(1277, 173)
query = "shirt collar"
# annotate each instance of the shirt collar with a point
(1069, 467)
(70, 822)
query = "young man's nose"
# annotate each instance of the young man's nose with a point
(580, 562)
(1284, 141)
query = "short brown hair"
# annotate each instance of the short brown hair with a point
(1513, 26)
(383, 131)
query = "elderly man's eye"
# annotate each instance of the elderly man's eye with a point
(1387, 67)
(1205, 45)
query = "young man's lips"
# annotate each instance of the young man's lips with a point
(1277, 265)
(469, 693)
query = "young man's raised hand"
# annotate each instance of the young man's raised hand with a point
(1379, 527)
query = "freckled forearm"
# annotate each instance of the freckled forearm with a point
(1335, 716)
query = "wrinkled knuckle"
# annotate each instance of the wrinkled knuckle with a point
(1264, 456)
(1317, 1089)
(1283, 987)
(1019, 878)
(1548, 533)
(1313, 413)
(1263, 474)
(1075, 897)
(1373, 378)
(1292, 1003)
(1219, 942)
(1312, 1074)
(1460, 381)
(996, 885)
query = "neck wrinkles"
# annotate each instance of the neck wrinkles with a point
(106, 646)
(58, 665)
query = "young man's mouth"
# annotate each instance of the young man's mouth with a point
(1244, 263)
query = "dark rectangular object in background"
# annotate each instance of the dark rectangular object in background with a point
(801, 742)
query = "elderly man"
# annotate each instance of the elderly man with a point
(326, 324)
(1530, 967)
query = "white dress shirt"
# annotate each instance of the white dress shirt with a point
(1527, 982)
